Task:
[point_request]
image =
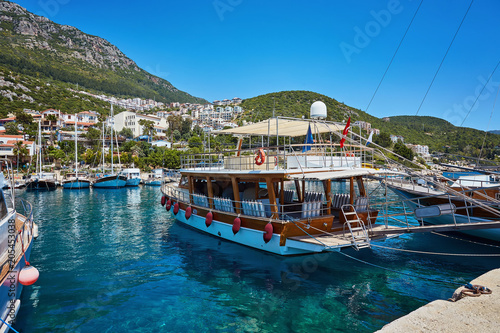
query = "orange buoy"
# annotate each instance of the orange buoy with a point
(163, 200)
(28, 275)
(176, 208)
(208, 219)
(268, 232)
(189, 210)
(236, 225)
(168, 205)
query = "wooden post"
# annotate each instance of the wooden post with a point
(210, 192)
(299, 192)
(272, 197)
(236, 193)
(361, 186)
(327, 184)
(191, 187)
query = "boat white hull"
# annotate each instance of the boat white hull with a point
(248, 237)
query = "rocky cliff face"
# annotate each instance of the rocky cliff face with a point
(30, 31)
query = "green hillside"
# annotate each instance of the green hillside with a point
(438, 134)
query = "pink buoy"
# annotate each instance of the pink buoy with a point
(236, 225)
(163, 200)
(176, 208)
(268, 232)
(168, 205)
(28, 275)
(189, 210)
(208, 219)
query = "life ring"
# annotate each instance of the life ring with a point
(275, 160)
(261, 157)
(349, 154)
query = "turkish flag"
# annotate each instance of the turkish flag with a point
(345, 132)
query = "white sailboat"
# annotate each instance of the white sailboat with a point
(75, 181)
(111, 180)
(42, 181)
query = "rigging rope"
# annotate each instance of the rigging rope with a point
(10, 327)
(477, 97)
(449, 47)
(489, 122)
(394, 55)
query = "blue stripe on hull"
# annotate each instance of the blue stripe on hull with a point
(133, 182)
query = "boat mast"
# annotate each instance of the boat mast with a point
(76, 150)
(111, 123)
(39, 166)
(103, 148)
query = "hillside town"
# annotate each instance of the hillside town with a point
(208, 117)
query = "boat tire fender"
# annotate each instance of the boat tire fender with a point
(268, 232)
(189, 210)
(208, 219)
(176, 208)
(236, 225)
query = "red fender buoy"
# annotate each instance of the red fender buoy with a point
(236, 225)
(163, 200)
(168, 205)
(28, 275)
(189, 210)
(176, 208)
(208, 219)
(268, 232)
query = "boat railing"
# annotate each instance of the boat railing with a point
(314, 206)
(291, 156)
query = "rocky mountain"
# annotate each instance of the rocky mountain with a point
(34, 45)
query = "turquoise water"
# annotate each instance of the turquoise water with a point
(115, 261)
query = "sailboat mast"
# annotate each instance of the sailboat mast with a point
(111, 121)
(76, 150)
(103, 148)
(39, 171)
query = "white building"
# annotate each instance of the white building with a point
(8, 144)
(131, 120)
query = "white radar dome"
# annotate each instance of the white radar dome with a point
(318, 110)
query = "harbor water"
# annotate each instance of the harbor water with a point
(116, 261)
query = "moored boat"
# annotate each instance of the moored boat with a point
(133, 176)
(470, 199)
(76, 181)
(262, 198)
(17, 232)
(41, 181)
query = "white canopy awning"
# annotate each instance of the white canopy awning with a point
(341, 174)
(286, 127)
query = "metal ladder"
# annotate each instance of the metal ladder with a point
(359, 233)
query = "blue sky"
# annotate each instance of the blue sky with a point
(219, 49)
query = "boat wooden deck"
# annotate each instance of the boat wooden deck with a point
(338, 239)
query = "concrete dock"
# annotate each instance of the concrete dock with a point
(469, 314)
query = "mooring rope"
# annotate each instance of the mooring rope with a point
(10, 327)
(441, 253)
(465, 240)
(399, 272)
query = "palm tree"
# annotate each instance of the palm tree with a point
(19, 150)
